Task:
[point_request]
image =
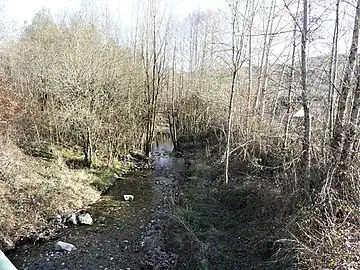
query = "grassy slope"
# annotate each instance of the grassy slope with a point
(33, 190)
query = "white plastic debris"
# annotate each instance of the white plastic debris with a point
(58, 218)
(128, 197)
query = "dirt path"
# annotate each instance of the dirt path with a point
(125, 235)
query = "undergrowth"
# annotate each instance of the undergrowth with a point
(233, 227)
(325, 232)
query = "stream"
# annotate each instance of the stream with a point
(125, 235)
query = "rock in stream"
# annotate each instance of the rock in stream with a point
(63, 246)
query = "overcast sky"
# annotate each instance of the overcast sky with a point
(19, 11)
(24, 10)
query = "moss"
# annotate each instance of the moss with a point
(69, 153)
(103, 179)
(121, 167)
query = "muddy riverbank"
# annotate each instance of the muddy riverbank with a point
(181, 218)
(125, 235)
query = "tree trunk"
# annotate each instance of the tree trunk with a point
(229, 120)
(88, 149)
(347, 152)
(237, 43)
(305, 97)
(332, 74)
(337, 141)
(250, 73)
(290, 89)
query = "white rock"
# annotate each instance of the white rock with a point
(62, 246)
(58, 218)
(72, 219)
(128, 197)
(85, 218)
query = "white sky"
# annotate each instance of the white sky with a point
(24, 10)
(19, 11)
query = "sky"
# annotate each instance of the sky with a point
(19, 11)
(24, 10)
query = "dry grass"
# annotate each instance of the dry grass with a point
(33, 190)
(323, 230)
(232, 227)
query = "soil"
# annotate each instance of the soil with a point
(125, 235)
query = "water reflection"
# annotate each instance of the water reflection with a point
(162, 144)
(161, 149)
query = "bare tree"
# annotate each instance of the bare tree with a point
(237, 46)
(337, 141)
(153, 55)
(332, 78)
(172, 114)
(305, 93)
(290, 86)
(264, 63)
(352, 129)
(250, 67)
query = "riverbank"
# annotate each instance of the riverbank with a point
(125, 235)
(232, 227)
(37, 184)
(34, 190)
(181, 218)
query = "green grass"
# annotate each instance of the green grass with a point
(191, 218)
(36, 179)
(69, 153)
(103, 179)
(41, 150)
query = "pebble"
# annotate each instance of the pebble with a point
(101, 219)
(62, 246)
